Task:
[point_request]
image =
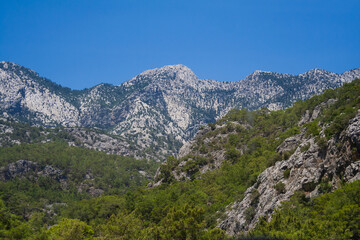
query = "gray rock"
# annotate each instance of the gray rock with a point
(352, 172)
(159, 109)
(307, 170)
(17, 169)
(289, 144)
(32, 170)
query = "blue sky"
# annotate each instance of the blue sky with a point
(81, 43)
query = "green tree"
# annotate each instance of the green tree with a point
(70, 229)
(121, 226)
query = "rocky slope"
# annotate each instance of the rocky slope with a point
(13, 132)
(311, 168)
(313, 147)
(160, 109)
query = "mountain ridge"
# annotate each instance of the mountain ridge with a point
(159, 109)
(182, 66)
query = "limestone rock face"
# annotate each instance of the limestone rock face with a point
(12, 132)
(21, 89)
(159, 109)
(306, 168)
(352, 172)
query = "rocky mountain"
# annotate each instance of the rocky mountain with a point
(158, 110)
(311, 148)
(13, 132)
(313, 168)
(291, 173)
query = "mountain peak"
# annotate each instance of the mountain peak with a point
(169, 69)
(260, 74)
(162, 107)
(317, 71)
(260, 71)
(176, 72)
(175, 67)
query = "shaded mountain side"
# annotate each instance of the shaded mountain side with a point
(159, 109)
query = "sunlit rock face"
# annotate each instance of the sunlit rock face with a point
(159, 109)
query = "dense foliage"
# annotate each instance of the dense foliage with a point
(31, 193)
(330, 216)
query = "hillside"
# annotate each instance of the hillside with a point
(310, 149)
(158, 110)
(14, 132)
(38, 180)
(235, 178)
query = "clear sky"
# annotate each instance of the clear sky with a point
(81, 43)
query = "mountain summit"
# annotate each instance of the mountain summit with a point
(159, 109)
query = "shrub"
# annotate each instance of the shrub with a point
(309, 187)
(191, 167)
(287, 173)
(212, 126)
(325, 187)
(312, 128)
(70, 229)
(249, 214)
(203, 149)
(273, 159)
(322, 143)
(305, 147)
(255, 195)
(232, 154)
(280, 187)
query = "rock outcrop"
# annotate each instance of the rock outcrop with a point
(312, 168)
(32, 170)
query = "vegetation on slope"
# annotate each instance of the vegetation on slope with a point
(330, 216)
(32, 194)
(190, 209)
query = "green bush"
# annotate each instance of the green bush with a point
(280, 187)
(309, 187)
(312, 128)
(70, 229)
(287, 173)
(250, 214)
(305, 147)
(329, 216)
(322, 142)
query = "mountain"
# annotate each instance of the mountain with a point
(264, 159)
(285, 174)
(13, 132)
(158, 110)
